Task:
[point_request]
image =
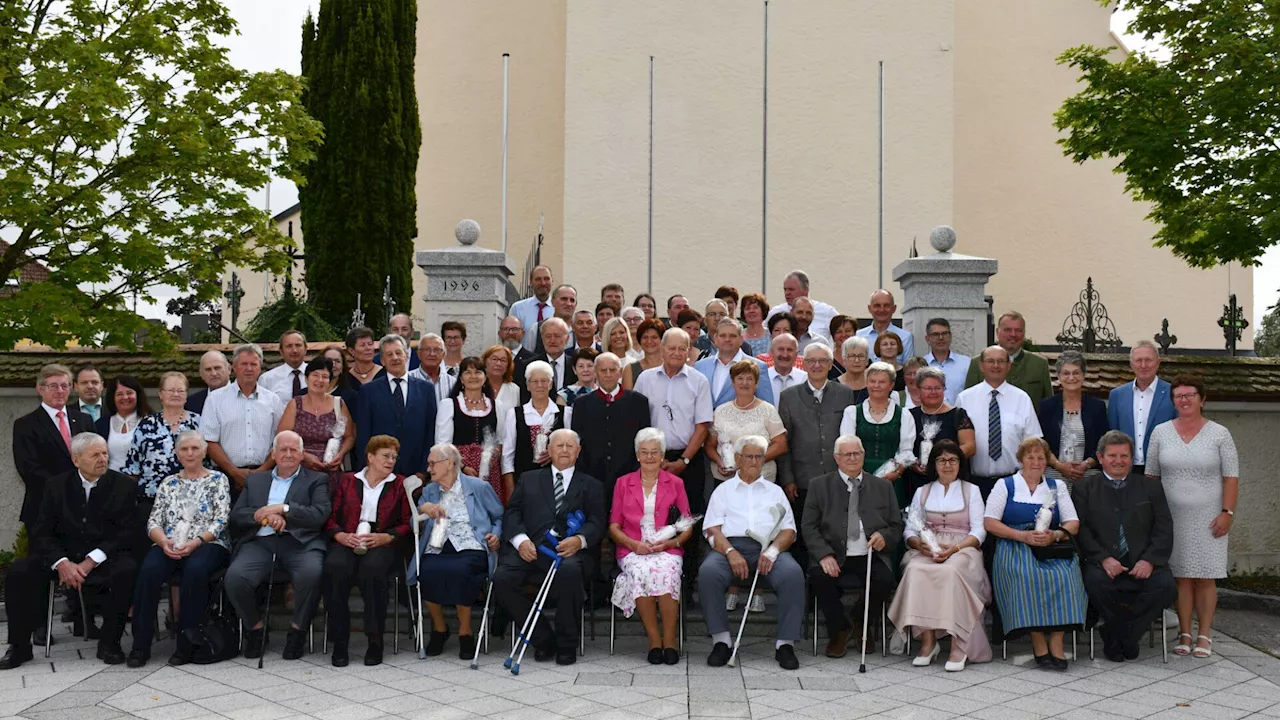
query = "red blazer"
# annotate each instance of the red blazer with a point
(628, 505)
(394, 515)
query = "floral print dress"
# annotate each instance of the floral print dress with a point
(153, 456)
(185, 508)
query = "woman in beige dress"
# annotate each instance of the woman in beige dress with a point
(944, 593)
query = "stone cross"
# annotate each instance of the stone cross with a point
(233, 294)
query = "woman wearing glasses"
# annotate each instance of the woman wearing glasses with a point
(935, 420)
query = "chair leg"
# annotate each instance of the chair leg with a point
(1091, 656)
(884, 630)
(324, 633)
(1004, 649)
(48, 625)
(1075, 654)
(815, 626)
(613, 619)
(1164, 641)
(682, 604)
(582, 633)
(395, 634)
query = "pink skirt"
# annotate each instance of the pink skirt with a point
(948, 598)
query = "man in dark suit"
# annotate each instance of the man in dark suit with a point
(80, 537)
(607, 421)
(216, 373)
(398, 405)
(838, 553)
(542, 501)
(555, 336)
(1126, 537)
(280, 516)
(42, 438)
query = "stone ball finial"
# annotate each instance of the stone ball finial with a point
(943, 238)
(467, 232)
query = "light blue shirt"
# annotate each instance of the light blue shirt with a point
(955, 367)
(277, 494)
(527, 312)
(93, 411)
(908, 343)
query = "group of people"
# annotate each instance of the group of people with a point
(769, 430)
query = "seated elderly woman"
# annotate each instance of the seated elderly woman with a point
(1035, 574)
(459, 563)
(188, 526)
(526, 428)
(944, 587)
(650, 568)
(370, 513)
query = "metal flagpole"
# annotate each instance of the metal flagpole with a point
(650, 286)
(880, 204)
(506, 68)
(764, 164)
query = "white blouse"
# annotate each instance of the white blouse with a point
(950, 500)
(508, 397)
(906, 432)
(999, 497)
(120, 440)
(370, 496)
(444, 417)
(531, 417)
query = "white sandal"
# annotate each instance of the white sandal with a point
(1182, 648)
(1202, 652)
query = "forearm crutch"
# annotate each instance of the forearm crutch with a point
(484, 623)
(411, 484)
(866, 609)
(530, 621)
(746, 610)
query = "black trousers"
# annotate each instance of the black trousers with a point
(196, 569)
(1128, 605)
(108, 589)
(566, 595)
(798, 549)
(695, 479)
(344, 568)
(853, 574)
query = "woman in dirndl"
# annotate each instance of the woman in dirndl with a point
(468, 418)
(521, 449)
(1044, 597)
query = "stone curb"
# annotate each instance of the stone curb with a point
(1239, 600)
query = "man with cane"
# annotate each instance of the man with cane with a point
(750, 526)
(850, 514)
(542, 502)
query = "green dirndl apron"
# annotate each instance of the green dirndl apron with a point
(881, 443)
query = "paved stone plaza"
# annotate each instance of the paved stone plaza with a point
(1237, 682)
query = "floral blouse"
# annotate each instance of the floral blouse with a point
(192, 506)
(153, 456)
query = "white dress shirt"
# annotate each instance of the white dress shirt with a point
(531, 417)
(1142, 402)
(720, 375)
(677, 405)
(999, 497)
(855, 544)
(1018, 422)
(279, 380)
(369, 497)
(822, 314)
(567, 478)
(53, 414)
(906, 431)
(737, 507)
(951, 500)
(956, 368)
(244, 425)
(95, 554)
(782, 382)
(526, 311)
(908, 342)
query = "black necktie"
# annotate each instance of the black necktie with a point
(398, 395)
(297, 383)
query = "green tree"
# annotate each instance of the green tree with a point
(128, 143)
(1266, 341)
(1196, 130)
(359, 204)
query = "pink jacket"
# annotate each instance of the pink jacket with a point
(628, 505)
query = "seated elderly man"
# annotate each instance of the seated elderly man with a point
(742, 515)
(839, 550)
(542, 501)
(279, 518)
(81, 537)
(1126, 537)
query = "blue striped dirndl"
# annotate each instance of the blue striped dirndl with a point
(1032, 593)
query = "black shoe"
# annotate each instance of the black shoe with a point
(255, 642)
(719, 655)
(567, 658)
(670, 656)
(38, 637)
(1044, 660)
(15, 657)
(655, 656)
(1130, 644)
(138, 657)
(373, 655)
(180, 657)
(293, 643)
(544, 652)
(1113, 653)
(111, 653)
(786, 657)
(466, 647)
(340, 657)
(1057, 663)
(436, 641)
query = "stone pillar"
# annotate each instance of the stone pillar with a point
(467, 284)
(949, 285)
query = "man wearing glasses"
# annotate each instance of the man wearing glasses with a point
(1003, 416)
(954, 366)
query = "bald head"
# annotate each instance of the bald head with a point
(995, 365)
(215, 371)
(882, 307)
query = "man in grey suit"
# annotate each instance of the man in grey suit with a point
(279, 517)
(838, 552)
(811, 413)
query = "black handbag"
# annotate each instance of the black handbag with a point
(219, 638)
(1064, 550)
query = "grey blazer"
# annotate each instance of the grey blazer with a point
(308, 501)
(812, 429)
(825, 523)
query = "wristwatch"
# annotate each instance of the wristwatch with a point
(685, 460)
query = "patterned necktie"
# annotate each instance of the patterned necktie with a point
(1117, 485)
(297, 383)
(64, 430)
(994, 447)
(398, 395)
(559, 491)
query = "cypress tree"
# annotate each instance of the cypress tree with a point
(359, 205)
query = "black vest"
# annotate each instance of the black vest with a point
(524, 448)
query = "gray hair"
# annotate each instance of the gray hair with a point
(83, 441)
(817, 344)
(1114, 437)
(855, 342)
(450, 453)
(186, 435)
(800, 276)
(406, 316)
(783, 337)
(287, 435)
(750, 440)
(1145, 344)
(714, 301)
(392, 338)
(631, 310)
(555, 322)
(539, 366)
(929, 371)
(845, 440)
(880, 366)
(728, 321)
(606, 355)
(430, 337)
(651, 434)
(675, 332)
(247, 348)
(565, 431)
(1069, 357)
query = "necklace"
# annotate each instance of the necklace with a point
(355, 370)
(479, 403)
(877, 413)
(750, 402)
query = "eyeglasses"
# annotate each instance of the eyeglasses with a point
(648, 453)
(944, 333)
(753, 457)
(852, 455)
(819, 362)
(671, 414)
(57, 386)
(947, 461)
(995, 361)
(175, 391)
(387, 456)
(856, 356)
(1186, 396)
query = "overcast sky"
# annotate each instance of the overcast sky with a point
(271, 37)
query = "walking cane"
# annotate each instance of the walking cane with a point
(484, 623)
(266, 611)
(866, 609)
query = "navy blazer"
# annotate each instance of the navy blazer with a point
(1093, 414)
(415, 428)
(1120, 411)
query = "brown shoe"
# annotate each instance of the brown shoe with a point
(856, 641)
(838, 645)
